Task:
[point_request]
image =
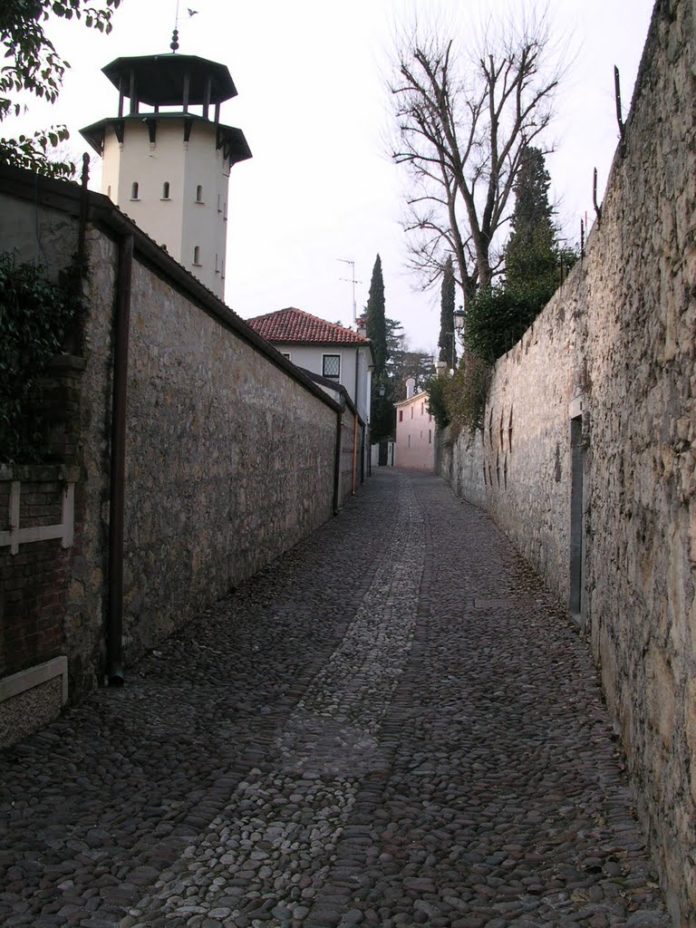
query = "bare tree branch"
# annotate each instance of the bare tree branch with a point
(461, 142)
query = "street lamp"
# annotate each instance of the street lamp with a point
(458, 316)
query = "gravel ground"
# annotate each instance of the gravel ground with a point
(393, 725)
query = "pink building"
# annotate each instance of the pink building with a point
(415, 431)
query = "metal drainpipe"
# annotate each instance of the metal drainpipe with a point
(337, 463)
(355, 453)
(357, 387)
(114, 618)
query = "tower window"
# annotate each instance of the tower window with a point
(197, 255)
(165, 190)
(199, 194)
(217, 265)
(219, 206)
(134, 191)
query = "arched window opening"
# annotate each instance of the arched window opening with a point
(196, 255)
(199, 194)
(165, 190)
(134, 191)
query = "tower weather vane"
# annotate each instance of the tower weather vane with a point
(174, 45)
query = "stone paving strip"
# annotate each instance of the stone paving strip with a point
(393, 725)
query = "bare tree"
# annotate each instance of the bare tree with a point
(461, 132)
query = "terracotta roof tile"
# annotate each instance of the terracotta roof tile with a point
(292, 325)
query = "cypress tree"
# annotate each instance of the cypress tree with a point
(531, 255)
(375, 318)
(383, 416)
(446, 339)
(498, 316)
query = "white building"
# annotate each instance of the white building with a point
(335, 353)
(167, 166)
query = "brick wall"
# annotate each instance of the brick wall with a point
(33, 581)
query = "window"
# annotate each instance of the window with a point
(217, 265)
(108, 191)
(199, 194)
(165, 190)
(219, 206)
(197, 255)
(331, 366)
(286, 354)
(412, 412)
(224, 211)
(401, 415)
(134, 191)
(422, 409)
(430, 436)
(409, 441)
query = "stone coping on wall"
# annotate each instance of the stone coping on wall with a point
(336, 388)
(18, 683)
(40, 473)
(32, 698)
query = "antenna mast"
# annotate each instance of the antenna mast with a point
(351, 280)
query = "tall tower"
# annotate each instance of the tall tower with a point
(167, 166)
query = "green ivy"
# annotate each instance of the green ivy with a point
(498, 317)
(465, 394)
(437, 406)
(35, 316)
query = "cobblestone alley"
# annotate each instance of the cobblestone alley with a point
(391, 726)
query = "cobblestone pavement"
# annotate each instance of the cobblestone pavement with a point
(393, 725)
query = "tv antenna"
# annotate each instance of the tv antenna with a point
(351, 280)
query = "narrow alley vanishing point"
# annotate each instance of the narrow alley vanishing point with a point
(392, 725)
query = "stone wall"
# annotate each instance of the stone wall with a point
(229, 461)
(587, 458)
(230, 456)
(349, 467)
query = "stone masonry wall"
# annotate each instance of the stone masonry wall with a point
(616, 350)
(230, 458)
(348, 461)
(229, 461)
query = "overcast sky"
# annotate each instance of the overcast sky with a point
(311, 77)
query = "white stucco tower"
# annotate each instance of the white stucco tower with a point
(167, 166)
